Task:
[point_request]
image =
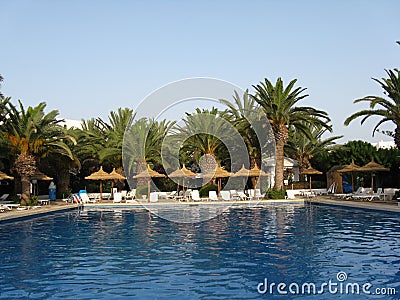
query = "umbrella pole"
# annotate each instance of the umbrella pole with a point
(219, 186)
(148, 191)
(310, 184)
(352, 182)
(101, 191)
(372, 183)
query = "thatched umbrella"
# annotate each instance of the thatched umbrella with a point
(310, 171)
(114, 175)
(4, 176)
(243, 172)
(38, 176)
(181, 173)
(351, 168)
(99, 175)
(373, 167)
(148, 174)
(218, 173)
(255, 173)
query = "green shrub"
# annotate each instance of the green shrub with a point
(276, 194)
(205, 189)
(141, 191)
(33, 200)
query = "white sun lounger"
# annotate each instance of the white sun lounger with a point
(226, 195)
(212, 195)
(196, 196)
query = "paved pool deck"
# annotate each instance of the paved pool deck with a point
(59, 206)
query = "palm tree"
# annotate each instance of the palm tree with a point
(278, 103)
(203, 134)
(90, 141)
(143, 144)
(33, 133)
(387, 109)
(114, 135)
(244, 114)
(303, 148)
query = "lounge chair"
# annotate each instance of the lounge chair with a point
(234, 195)
(118, 198)
(4, 197)
(226, 195)
(258, 194)
(195, 195)
(154, 197)
(12, 205)
(212, 195)
(4, 208)
(290, 194)
(187, 195)
(331, 189)
(172, 195)
(131, 194)
(85, 198)
(362, 194)
(123, 194)
(243, 196)
(76, 199)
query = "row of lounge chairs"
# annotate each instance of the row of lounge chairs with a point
(366, 194)
(231, 195)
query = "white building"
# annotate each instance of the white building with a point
(288, 163)
(384, 144)
(68, 123)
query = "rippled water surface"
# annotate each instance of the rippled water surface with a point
(132, 254)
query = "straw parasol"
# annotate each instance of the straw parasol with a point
(219, 173)
(373, 167)
(115, 176)
(255, 173)
(4, 176)
(310, 171)
(99, 175)
(181, 173)
(243, 172)
(351, 168)
(148, 173)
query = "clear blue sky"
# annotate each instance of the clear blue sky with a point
(86, 58)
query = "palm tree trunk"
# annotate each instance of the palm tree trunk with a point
(208, 165)
(25, 190)
(63, 182)
(279, 166)
(397, 136)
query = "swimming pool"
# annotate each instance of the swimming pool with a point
(132, 254)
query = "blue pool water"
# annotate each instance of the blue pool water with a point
(132, 254)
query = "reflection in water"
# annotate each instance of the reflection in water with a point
(115, 253)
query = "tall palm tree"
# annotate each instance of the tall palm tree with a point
(279, 105)
(387, 109)
(33, 133)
